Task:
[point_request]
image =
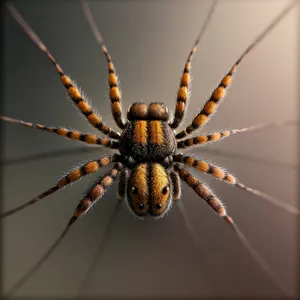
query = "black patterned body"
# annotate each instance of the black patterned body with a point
(147, 136)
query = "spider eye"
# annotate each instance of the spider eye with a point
(134, 190)
(140, 206)
(165, 189)
(158, 205)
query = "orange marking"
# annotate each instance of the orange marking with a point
(218, 173)
(105, 142)
(159, 181)
(202, 166)
(190, 161)
(114, 93)
(180, 106)
(185, 79)
(116, 107)
(201, 139)
(200, 119)
(105, 161)
(93, 118)
(140, 132)
(83, 106)
(219, 93)
(107, 181)
(182, 93)
(74, 175)
(66, 80)
(230, 179)
(215, 136)
(226, 80)
(156, 132)
(91, 167)
(75, 135)
(96, 192)
(91, 139)
(191, 180)
(74, 93)
(226, 133)
(62, 131)
(112, 79)
(209, 107)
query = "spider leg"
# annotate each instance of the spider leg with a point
(217, 136)
(114, 89)
(225, 176)
(86, 169)
(203, 192)
(100, 250)
(88, 138)
(96, 192)
(176, 185)
(124, 176)
(183, 91)
(73, 92)
(219, 93)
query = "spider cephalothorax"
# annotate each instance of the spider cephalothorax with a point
(148, 163)
(147, 136)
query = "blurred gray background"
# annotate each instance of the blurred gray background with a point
(149, 42)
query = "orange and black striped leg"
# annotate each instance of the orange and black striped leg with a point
(114, 89)
(73, 91)
(210, 106)
(204, 192)
(219, 93)
(86, 169)
(204, 139)
(216, 136)
(96, 192)
(88, 138)
(183, 91)
(176, 185)
(225, 176)
(122, 184)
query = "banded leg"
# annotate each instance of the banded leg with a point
(96, 192)
(217, 136)
(115, 94)
(86, 169)
(225, 176)
(219, 93)
(88, 138)
(122, 184)
(176, 185)
(203, 192)
(73, 91)
(183, 91)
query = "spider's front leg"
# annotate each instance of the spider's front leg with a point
(75, 95)
(114, 89)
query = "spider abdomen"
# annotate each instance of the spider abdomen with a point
(147, 140)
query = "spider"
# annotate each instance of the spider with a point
(150, 163)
